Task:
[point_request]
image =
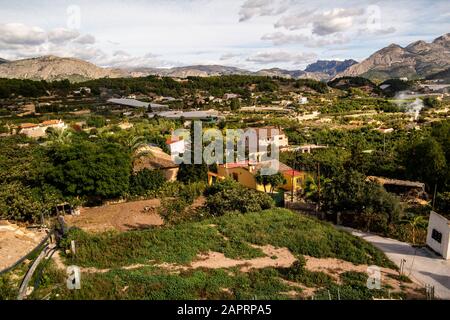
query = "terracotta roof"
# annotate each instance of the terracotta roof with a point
(152, 158)
(404, 183)
(289, 173)
(28, 125)
(172, 140)
(50, 122)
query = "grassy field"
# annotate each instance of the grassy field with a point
(230, 234)
(233, 235)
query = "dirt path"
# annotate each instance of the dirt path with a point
(16, 242)
(119, 217)
(275, 257)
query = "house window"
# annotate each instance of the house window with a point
(236, 177)
(436, 235)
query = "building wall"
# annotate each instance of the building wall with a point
(440, 224)
(299, 182)
(241, 175)
(37, 132)
(177, 147)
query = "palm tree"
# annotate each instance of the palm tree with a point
(261, 179)
(415, 222)
(59, 136)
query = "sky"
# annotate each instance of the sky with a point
(249, 34)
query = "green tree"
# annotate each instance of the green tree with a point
(94, 170)
(230, 196)
(426, 162)
(145, 181)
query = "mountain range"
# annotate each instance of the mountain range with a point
(420, 59)
(55, 68)
(417, 60)
(331, 68)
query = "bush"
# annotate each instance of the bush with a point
(145, 181)
(298, 273)
(7, 290)
(227, 196)
(171, 208)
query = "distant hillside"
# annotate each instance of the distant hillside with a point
(191, 71)
(345, 83)
(291, 74)
(442, 75)
(54, 68)
(417, 60)
(3, 61)
(330, 67)
(217, 70)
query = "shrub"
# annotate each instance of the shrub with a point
(7, 290)
(228, 196)
(145, 181)
(298, 273)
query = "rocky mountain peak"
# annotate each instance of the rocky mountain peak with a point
(443, 40)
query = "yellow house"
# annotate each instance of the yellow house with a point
(245, 172)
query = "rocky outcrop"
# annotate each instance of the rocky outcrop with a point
(330, 67)
(417, 60)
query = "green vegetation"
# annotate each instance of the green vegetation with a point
(90, 169)
(232, 235)
(183, 242)
(229, 196)
(146, 181)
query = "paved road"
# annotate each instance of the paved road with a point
(422, 265)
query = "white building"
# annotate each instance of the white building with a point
(303, 100)
(438, 236)
(229, 96)
(176, 146)
(271, 135)
(33, 130)
(57, 124)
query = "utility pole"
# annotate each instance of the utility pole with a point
(434, 196)
(293, 174)
(318, 185)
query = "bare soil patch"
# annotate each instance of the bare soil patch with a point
(275, 257)
(335, 267)
(16, 242)
(136, 215)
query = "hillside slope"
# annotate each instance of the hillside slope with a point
(54, 68)
(417, 60)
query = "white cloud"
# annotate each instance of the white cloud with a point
(252, 8)
(200, 31)
(308, 40)
(123, 59)
(12, 34)
(229, 56)
(282, 57)
(323, 22)
(85, 39)
(62, 35)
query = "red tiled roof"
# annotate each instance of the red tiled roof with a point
(172, 140)
(236, 165)
(291, 173)
(50, 122)
(28, 125)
